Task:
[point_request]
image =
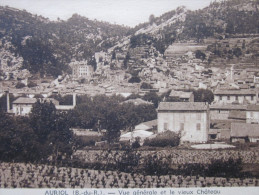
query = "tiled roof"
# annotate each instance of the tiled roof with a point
(149, 123)
(228, 107)
(25, 100)
(182, 106)
(234, 92)
(235, 114)
(244, 130)
(252, 108)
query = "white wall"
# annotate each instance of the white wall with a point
(232, 99)
(252, 116)
(190, 121)
(22, 109)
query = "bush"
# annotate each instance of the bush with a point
(134, 79)
(20, 85)
(82, 141)
(136, 143)
(225, 168)
(145, 85)
(167, 138)
(32, 84)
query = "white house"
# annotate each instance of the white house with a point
(81, 69)
(191, 118)
(23, 105)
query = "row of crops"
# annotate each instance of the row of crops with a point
(21, 175)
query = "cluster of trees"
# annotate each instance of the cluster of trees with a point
(42, 136)
(110, 113)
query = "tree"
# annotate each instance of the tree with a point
(152, 97)
(237, 52)
(134, 79)
(126, 60)
(151, 19)
(93, 63)
(20, 85)
(51, 129)
(145, 85)
(200, 55)
(17, 140)
(203, 95)
(31, 84)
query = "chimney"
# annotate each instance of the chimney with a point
(74, 99)
(7, 101)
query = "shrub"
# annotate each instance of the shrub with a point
(136, 143)
(83, 141)
(225, 168)
(145, 85)
(134, 79)
(20, 85)
(32, 84)
(167, 138)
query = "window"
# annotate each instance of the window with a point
(236, 98)
(165, 126)
(228, 97)
(181, 126)
(198, 126)
(252, 97)
(198, 115)
(220, 97)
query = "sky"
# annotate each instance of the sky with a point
(124, 12)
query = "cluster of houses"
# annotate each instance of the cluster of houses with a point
(234, 115)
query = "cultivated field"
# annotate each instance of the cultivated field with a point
(20, 175)
(173, 156)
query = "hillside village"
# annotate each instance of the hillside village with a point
(200, 83)
(178, 71)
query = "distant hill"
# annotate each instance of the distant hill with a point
(48, 46)
(219, 19)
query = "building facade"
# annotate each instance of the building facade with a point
(235, 96)
(22, 106)
(189, 118)
(81, 69)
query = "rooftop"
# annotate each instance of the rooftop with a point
(180, 94)
(25, 100)
(228, 107)
(182, 106)
(252, 108)
(244, 130)
(235, 92)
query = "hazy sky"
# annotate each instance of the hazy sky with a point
(127, 12)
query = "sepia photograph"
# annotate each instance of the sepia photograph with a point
(129, 94)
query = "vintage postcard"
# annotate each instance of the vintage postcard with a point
(134, 97)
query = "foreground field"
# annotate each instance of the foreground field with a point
(173, 156)
(21, 175)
